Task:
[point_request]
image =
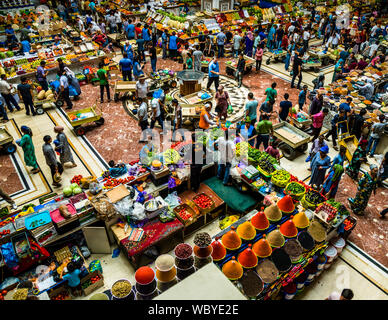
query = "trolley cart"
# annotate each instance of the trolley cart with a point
(231, 68)
(41, 105)
(191, 112)
(277, 55)
(83, 116)
(311, 64)
(128, 88)
(194, 99)
(6, 141)
(346, 140)
(161, 79)
(293, 139)
(300, 124)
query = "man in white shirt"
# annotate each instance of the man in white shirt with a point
(111, 20)
(155, 112)
(226, 149)
(80, 25)
(142, 87)
(373, 49)
(306, 37)
(346, 294)
(236, 44)
(5, 90)
(118, 20)
(64, 88)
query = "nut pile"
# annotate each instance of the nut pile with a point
(202, 239)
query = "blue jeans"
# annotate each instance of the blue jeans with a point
(374, 142)
(10, 100)
(223, 172)
(262, 138)
(160, 121)
(235, 53)
(153, 65)
(127, 75)
(164, 47)
(220, 51)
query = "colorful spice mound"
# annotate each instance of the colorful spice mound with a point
(246, 231)
(121, 289)
(300, 220)
(317, 231)
(275, 238)
(288, 229)
(144, 275)
(202, 239)
(248, 258)
(231, 240)
(232, 269)
(306, 241)
(286, 204)
(260, 220)
(219, 251)
(281, 260)
(262, 248)
(273, 213)
(267, 271)
(183, 251)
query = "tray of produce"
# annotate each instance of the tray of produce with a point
(265, 167)
(204, 203)
(280, 178)
(295, 190)
(312, 199)
(185, 214)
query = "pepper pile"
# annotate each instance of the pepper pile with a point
(348, 224)
(295, 188)
(254, 155)
(203, 201)
(112, 182)
(3, 294)
(314, 197)
(91, 281)
(4, 232)
(266, 165)
(76, 179)
(45, 236)
(184, 214)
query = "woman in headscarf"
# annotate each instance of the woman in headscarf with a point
(338, 67)
(359, 156)
(367, 89)
(222, 102)
(28, 149)
(366, 185)
(340, 157)
(70, 76)
(63, 147)
(249, 44)
(319, 165)
(330, 186)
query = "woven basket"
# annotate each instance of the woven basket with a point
(280, 183)
(295, 196)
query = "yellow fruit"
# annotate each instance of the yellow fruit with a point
(41, 95)
(48, 92)
(50, 97)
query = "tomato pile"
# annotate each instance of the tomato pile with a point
(112, 182)
(133, 162)
(62, 296)
(3, 294)
(76, 179)
(348, 224)
(184, 214)
(45, 236)
(203, 201)
(4, 232)
(91, 281)
(6, 221)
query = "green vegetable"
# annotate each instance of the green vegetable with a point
(67, 191)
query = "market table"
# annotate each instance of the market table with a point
(207, 283)
(164, 236)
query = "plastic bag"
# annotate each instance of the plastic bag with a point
(230, 109)
(94, 188)
(173, 200)
(183, 173)
(138, 212)
(124, 206)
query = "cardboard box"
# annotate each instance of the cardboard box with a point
(88, 290)
(56, 291)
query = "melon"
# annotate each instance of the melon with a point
(40, 95)
(50, 97)
(47, 93)
(2, 55)
(9, 53)
(67, 191)
(77, 190)
(73, 186)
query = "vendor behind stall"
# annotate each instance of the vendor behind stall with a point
(73, 279)
(247, 131)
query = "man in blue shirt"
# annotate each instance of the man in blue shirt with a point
(221, 37)
(146, 33)
(302, 97)
(140, 47)
(214, 74)
(164, 43)
(26, 47)
(126, 67)
(172, 46)
(346, 106)
(251, 108)
(130, 30)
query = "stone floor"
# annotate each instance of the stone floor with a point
(8, 173)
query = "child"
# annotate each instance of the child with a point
(73, 279)
(273, 150)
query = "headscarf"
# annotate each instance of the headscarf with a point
(58, 129)
(26, 130)
(372, 166)
(338, 171)
(324, 149)
(250, 35)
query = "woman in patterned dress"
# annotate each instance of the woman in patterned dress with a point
(28, 149)
(359, 156)
(63, 147)
(366, 185)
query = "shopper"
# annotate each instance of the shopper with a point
(359, 156)
(264, 130)
(6, 92)
(240, 69)
(28, 149)
(164, 43)
(63, 147)
(247, 132)
(142, 114)
(249, 44)
(319, 164)
(140, 47)
(318, 122)
(296, 70)
(178, 120)
(125, 65)
(198, 159)
(173, 46)
(315, 147)
(266, 108)
(375, 135)
(137, 68)
(271, 93)
(130, 30)
(51, 160)
(146, 34)
(25, 94)
(214, 74)
(205, 117)
(366, 185)
(189, 61)
(142, 87)
(6, 197)
(221, 37)
(302, 97)
(3, 113)
(104, 84)
(226, 152)
(273, 150)
(346, 294)
(337, 125)
(251, 108)
(284, 108)
(64, 89)
(73, 279)
(156, 112)
(222, 103)
(317, 104)
(198, 56)
(259, 56)
(236, 44)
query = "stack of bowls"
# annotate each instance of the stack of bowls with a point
(184, 260)
(165, 272)
(202, 256)
(128, 295)
(145, 284)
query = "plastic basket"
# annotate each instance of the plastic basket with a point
(298, 196)
(279, 183)
(308, 205)
(263, 172)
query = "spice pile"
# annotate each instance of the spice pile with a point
(202, 239)
(183, 251)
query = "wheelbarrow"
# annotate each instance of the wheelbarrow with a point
(348, 141)
(6, 141)
(88, 115)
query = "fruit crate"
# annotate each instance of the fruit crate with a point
(190, 210)
(61, 290)
(93, 286)
(326, 213)
(204, 210)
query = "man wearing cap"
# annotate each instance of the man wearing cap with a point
(142, 87)
(63, 147)
(214, 74)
